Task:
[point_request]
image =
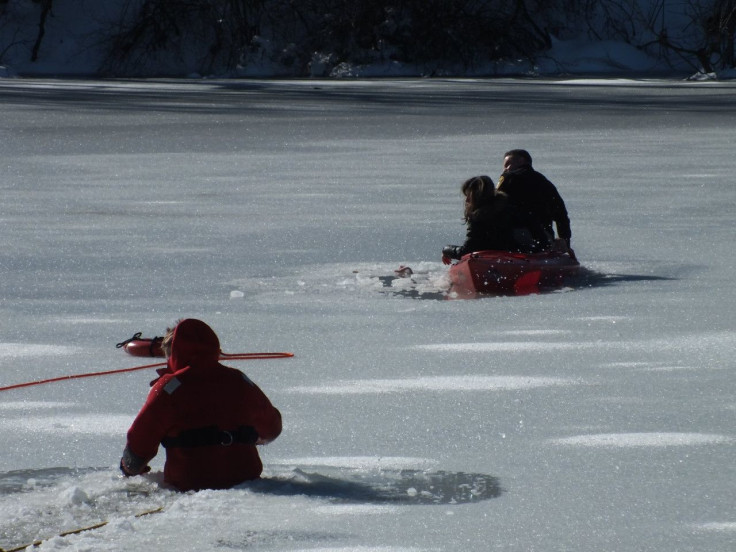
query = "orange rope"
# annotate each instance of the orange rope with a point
(224, 356)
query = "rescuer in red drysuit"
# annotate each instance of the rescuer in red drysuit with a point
(208, 417)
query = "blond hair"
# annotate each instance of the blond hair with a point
(168, 338)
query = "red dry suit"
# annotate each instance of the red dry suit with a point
(208, 416)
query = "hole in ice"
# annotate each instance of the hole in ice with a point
(385, 486)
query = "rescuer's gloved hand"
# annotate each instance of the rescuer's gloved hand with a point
(132, 464)
(450, 252)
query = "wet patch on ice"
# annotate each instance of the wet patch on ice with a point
(15, 350)
(341, 485)
(432, 383)
(632, 440)
(86, 424)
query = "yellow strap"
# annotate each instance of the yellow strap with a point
(77, 531)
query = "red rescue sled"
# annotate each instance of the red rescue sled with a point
(142, 346)
(151, 347)
(506, 273)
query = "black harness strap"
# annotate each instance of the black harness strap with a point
(135, 337)
(155, 343)
(211, 436)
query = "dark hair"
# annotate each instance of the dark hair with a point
(525, 155)
(479, 191)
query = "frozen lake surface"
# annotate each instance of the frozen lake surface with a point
(598, 417)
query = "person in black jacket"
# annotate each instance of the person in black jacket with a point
(534, 194)
(493, 222)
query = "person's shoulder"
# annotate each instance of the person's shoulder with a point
(509, 181)
(504, 204)
(167, 384)
(233, 375)
(482, 214)
(540, 177)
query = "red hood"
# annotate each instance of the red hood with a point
(194, 344)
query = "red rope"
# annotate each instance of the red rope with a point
(79, 376)
(234, 356)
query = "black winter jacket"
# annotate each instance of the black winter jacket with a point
(503, 227)
(533, 193)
